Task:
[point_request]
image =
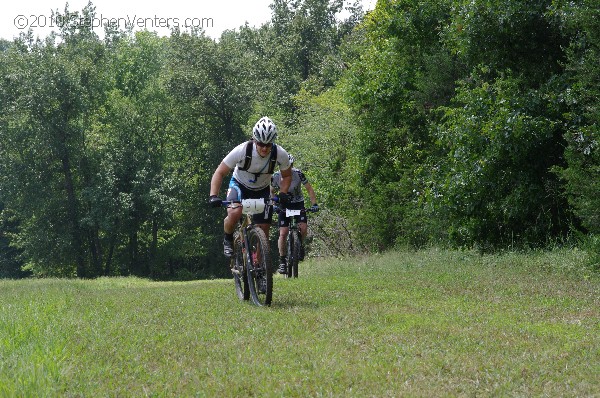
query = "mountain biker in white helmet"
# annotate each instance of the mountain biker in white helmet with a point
(253, 164)
(296, 202)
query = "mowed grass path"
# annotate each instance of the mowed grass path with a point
(429, 323)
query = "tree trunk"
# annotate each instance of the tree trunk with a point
(153, 248)
(95, 247)
(72, 213)
(133, 253)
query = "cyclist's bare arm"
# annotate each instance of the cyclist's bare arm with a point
(286, 180)
(311, 193)
(217, 179)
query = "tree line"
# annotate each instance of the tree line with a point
(459, 123)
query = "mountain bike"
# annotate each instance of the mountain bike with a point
(294, 243)
(251, 260)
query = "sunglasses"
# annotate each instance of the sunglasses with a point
(260, 144)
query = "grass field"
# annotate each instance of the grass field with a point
(429, 323)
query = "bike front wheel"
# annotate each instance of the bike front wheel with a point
(293, 255)
(259, 270)
(238, 269)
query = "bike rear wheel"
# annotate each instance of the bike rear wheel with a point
(293, 254)
(288, 257)
(259, 271)
(238, 269)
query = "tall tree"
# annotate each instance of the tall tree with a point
(504, 128)
(582, 172)
(50, 91)
(214, 89)
(392, 87)
(130, 196)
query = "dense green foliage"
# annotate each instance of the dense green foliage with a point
(465, 110)
(463, 123)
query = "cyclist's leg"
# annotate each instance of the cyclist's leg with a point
(302, 221)
(230, 222)
(234, 194)
(281, 245)
(284, 224)
(303, 227)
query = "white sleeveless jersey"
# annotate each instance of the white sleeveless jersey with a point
(256, 177)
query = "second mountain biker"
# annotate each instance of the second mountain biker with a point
(296, 203)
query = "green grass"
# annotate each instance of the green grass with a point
(429, 323)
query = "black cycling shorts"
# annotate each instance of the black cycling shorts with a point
(285, 221)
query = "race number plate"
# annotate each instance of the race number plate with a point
(291, 213)
(253, 206)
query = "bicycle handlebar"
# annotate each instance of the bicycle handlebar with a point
(230, 203)
(249, 206)
(276, 207)
(254, 206)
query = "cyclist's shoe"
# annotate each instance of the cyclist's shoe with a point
(282, 266)
(262, 285)
(227, 248)
(301, 256)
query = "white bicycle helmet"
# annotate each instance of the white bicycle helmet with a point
(264, 130)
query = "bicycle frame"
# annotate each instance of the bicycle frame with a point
(252, 272)
(293, 242)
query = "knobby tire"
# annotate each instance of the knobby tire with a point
(289, 258)
(293, 253)
(260, 270)
(238, 269)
